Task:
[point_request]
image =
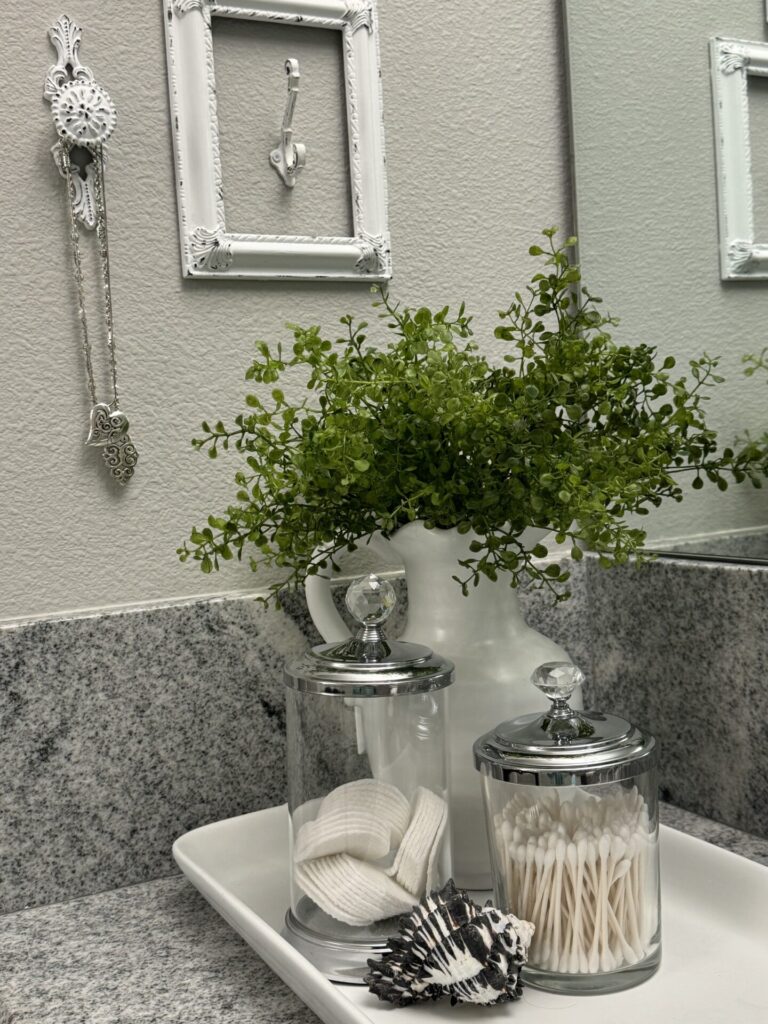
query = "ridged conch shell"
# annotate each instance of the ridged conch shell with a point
(352, 890)
(415, 861)
(448, 945)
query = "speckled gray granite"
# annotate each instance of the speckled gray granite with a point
(120, 732)
(567, 623)
(156, 953)
(681, 647)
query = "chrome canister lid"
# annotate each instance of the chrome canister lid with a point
(564, 747)
(369, 665)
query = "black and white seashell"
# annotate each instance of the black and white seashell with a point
(450, 946)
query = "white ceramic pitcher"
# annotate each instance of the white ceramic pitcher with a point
(487, 639)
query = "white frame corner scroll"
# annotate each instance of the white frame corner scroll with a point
(732, 61)
(207, 249)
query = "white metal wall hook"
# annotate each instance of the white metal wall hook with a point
(289, 157)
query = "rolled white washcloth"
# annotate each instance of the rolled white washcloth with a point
(356, 832)
(414, 866)
(433, 871)
(352, 890)
(378, 799)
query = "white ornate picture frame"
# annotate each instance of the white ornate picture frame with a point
(207, 248)
(732, 61)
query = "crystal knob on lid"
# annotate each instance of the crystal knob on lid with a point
(369, 664)
(558, 680)
(371, 599)
(590, 746)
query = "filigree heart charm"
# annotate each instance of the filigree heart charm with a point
(106, 426)
(120, 458)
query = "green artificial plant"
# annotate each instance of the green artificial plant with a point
(755, 364)
(572, 432)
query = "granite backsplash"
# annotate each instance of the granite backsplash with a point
(122, 731)
(681, 648)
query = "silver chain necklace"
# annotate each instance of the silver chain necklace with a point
(85, 117)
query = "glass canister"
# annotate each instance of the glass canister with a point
(367, 786)
(572, 816)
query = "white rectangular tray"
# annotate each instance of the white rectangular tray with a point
(714, 938)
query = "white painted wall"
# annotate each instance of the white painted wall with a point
(647, 214)
(477, 165)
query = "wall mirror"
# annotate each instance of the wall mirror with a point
(296, 186)
(645, 163)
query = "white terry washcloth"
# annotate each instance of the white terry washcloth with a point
(379, 799)
(416, 859)
(352, 890)
(357, 832)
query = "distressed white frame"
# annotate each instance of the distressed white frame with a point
(732, 61)
(207, 249)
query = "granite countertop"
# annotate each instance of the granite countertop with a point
(156, 952)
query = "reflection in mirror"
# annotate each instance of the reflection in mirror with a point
(647, 221)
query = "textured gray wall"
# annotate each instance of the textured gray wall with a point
(250, 99)
(477, 165)
(647, 213)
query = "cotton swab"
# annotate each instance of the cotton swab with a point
(581, 870)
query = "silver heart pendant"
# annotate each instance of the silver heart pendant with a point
(106, 426)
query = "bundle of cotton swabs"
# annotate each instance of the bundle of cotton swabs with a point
(581, 870)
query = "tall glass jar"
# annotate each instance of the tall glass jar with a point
(572, 818)
(367, 787)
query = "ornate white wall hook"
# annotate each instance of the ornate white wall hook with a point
(83, 114)
(289, 157)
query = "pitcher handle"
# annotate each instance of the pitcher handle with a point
(320, 602)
